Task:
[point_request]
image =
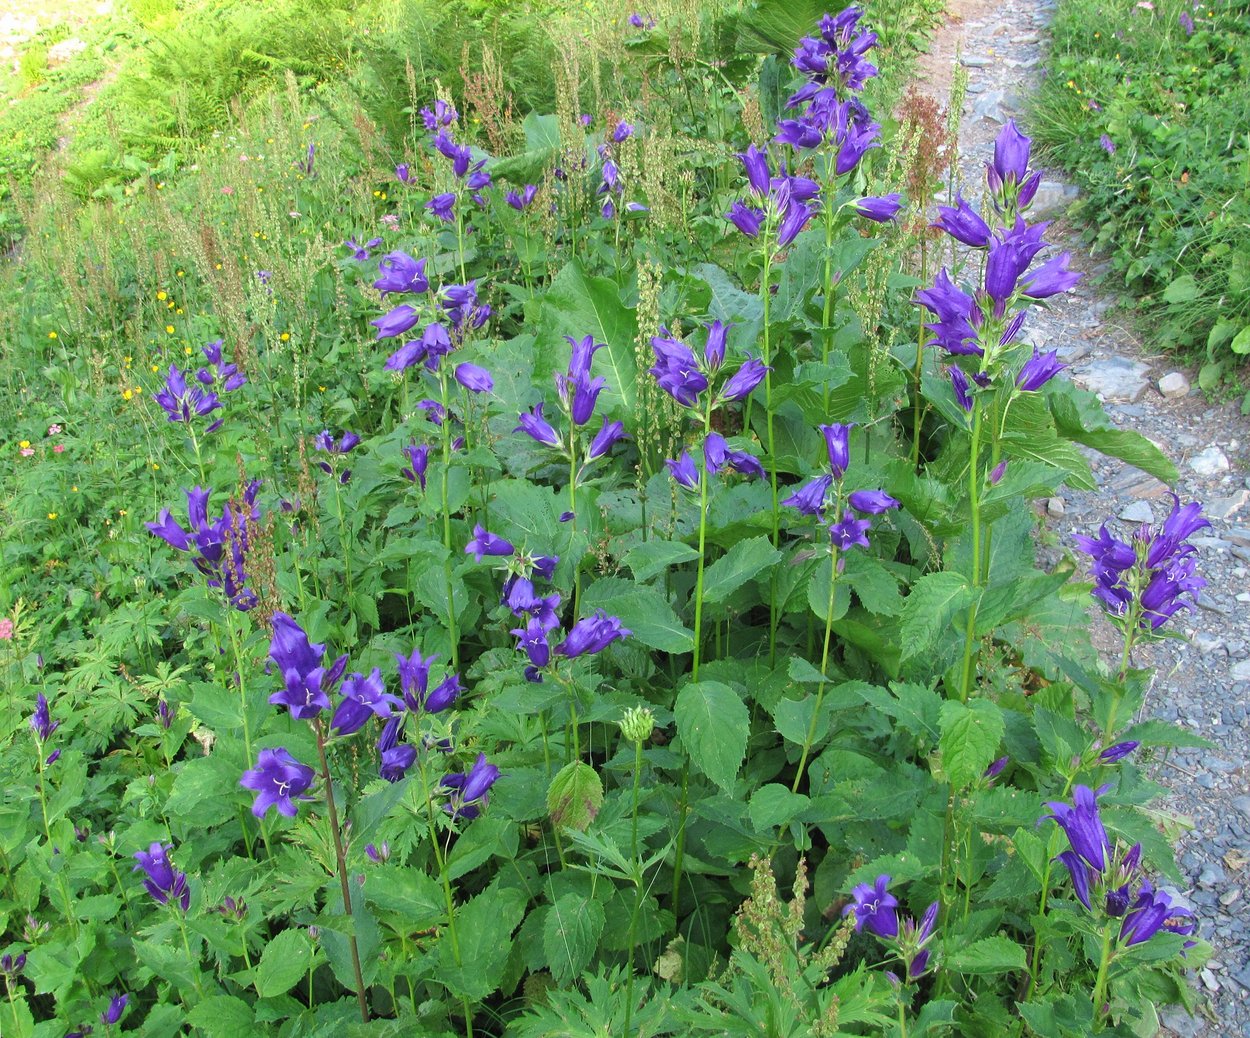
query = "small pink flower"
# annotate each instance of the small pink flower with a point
(391, 220)
(28, 452)
(227, 190)
(6, 629)
(53, 430)
(59, 449)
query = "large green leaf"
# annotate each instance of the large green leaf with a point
(575, 796)
(578, 304)
(1079, 417)
(989, 955)
(776, 26)
(571, 934)
(971, 733)
(713, 724)
(484, 933)
(284, 963)
(934, 601)
(742, 562)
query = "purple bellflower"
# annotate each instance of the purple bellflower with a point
(306, 680)
(592, 634)
(486, 543)
(874, 907)
(165, 883)
(469, 791)
(41, 722)
(277, 778)
(117, 1004)
(418, 463)
(401, 273)
(363, 697)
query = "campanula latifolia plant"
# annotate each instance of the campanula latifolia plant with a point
(571, 600)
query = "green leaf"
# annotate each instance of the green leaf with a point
(409, 893)
(651, 558)
(713, 724)
(1080, 417)
(1241, 341)
(971, 733)
(575, 796)
(216, 705)
(223, 1016)
(934, 601)
(578, 304)
(644, 610)
(738, 565)
(742, 311)
(484, 930)
(283, 963)
(1051, 450)
(914, 707)
(774, 805)
(206, 791)
(373, 809)
(990, 955)
(571, 934)
(1183, 290)
(876, 586)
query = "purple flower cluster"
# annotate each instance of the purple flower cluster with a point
(611, 188)
(307, 682)
(1104, 876)
(777, 204)
(988, 320)
(823, 496)
(165, 883)
(468, 790)
(1148, 579)
(877, 909)
(218, 546)
(578, 394)
(836, 68)
(325, 442)
(471, 177)
(184, 402)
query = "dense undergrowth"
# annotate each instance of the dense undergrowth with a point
(1145, 105)
(578, 523)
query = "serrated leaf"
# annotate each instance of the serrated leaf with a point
(1080, 417)
(971, 733)
(874, 585)
(990, 955)
(738, 565)
(933, 603)
(283, 963)
(205, 792)
(574, 796)
(223, 1016)
(484, 933)
(650, 558)
(713, 724)
(774, 805)
(571, 934)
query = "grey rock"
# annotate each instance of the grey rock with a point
(1239, 535)
(1115, 378)
(1212, 875)
(1055, 507)
(1210, 543)
(1138, 512)
(1229, 896)
(1181, 1023)
(1227, 507)
(1026, 38)
(1208, 643)
(1209, 462)
(1242, 804)
(1052, 197)
(1241, 672)
(975, 61)
(1070, 354)
(1173, 385)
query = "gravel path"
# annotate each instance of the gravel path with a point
(1202, 683)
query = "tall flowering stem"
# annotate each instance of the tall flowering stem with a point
(824, 664)
(341, 863)
(445, 436)
(974, 504)
(441, 858)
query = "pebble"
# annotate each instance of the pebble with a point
(1174, 385)
(1055, 507)
(1226, 507)
(974, 61)
(1138, 512)
(1241, 672)
(1115, 378)
(1228, 897)
(1052, 197)
(1209, 462)
(1207, 643)
(1239, 535)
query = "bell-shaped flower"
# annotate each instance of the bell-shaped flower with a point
(882, 209)
(744, 381)
(401, 273)
(486, 543)
(474, 378)
(277, 779)
(963, 223)
(608, 435)
(872, 502)
(592, 634)
(684, 471)
(363, 696)
(165, 883)
(874, 907)
(536, 426)
(1039, 370)
(809, 499)
(398, 321)
(838, 445)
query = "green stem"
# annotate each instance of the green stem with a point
(344, 541)
(974, 501)
(441, 859)
(918, 372)
(341, 862)
(766, 295)
(577, 569)
(445, 430)
(1100, 984)
(47, 831)
(902, 1017)
(633, 915)
(192, 960)
(810, 737)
